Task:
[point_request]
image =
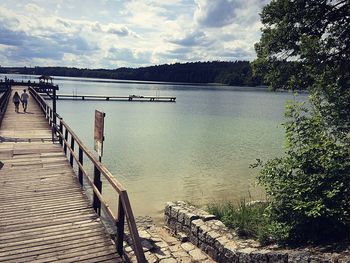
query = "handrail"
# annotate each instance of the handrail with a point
(4, 99)
(124, 208)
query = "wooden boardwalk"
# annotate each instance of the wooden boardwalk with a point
(44, 215)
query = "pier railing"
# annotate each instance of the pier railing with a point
(72, 145)
(4, 99)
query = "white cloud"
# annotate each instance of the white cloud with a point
(127, 32)
(193, 38)
(215, 13)
(120, 30)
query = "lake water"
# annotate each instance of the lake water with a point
(198, 149)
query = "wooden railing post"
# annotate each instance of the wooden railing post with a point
(72, 148)
(98, 184)
(81, 160)
(61, 132)
(66, 138)
(46, 109)
(50, 116)
(120, 227)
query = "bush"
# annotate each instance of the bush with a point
(309, 188)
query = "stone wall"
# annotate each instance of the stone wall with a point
(223, 245)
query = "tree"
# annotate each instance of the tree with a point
(305, 44)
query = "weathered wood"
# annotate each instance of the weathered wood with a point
(120, 226)
(71, 154)
(81, 161)
(98, 185)
(44, 215)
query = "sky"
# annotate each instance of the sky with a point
(127, 33)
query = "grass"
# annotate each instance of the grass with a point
(247, 220)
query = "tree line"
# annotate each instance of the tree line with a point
(238, 73)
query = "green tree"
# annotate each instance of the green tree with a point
(305, 44)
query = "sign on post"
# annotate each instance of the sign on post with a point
(98, 133)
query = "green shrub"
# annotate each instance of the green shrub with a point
(309, 187)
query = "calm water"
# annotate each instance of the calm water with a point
(197, 149)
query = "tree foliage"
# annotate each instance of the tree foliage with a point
(238, 73)
(305, 44)
(309, 186)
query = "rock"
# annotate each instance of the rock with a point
(168, 260)
(181, 216)
(168, 208)
(230, 252)
(161, 244)
(144, 234)
(202, 231)
(278, 257)
(211, 237)
(197, 254)
(187, 246)
(195, 224)
(208, 217)
(150, 257)
(180, 254)
(184, 260)
(260, 256)
(245, 254)
(174, 248)
(174, 212)
(182, 237)
(162, 253)
(299, 257)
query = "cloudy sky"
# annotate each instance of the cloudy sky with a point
(131, 33)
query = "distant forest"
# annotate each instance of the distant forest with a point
(238, 73)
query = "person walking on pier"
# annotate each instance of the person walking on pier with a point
(16, 99)
(24, 99)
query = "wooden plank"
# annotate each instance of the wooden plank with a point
(73, 256)
(58, 238)
(46, 211)
(49, 230)
(31, 252)
(63, 252)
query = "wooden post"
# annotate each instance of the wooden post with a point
(98, 184)
(54, 105)
(66, 138)
(120, 227)
(50, 116)
(81, 160)
(61, 132)
(71, 154)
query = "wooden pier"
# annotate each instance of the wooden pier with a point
(44, 86)
(45, 215)
(116, 98)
